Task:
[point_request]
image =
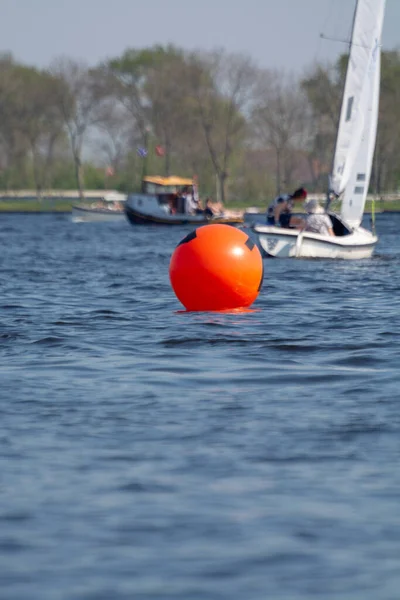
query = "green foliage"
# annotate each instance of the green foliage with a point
(200, 107)
(34, 206)
(64, 175)
(94, 177)
(324, 91)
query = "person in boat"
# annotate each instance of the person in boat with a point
(208, 208)
(172, 204)
(317, 220)
(211, 209)
(117, 206)
(191, 203)
(179, 202)
(199, 207)
(186, 200)
(280, 210)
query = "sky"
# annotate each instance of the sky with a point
(282, 34)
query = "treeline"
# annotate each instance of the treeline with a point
(245, 132)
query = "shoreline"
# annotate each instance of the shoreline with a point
(69, 212)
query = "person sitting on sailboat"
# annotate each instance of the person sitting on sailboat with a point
(280, 210)
(317, 220)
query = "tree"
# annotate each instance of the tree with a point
(222, 86)
(80, 102)
(170, 111)
(281, 120)
(324, 88)
(128, 74)
(116, 137)
(385, 173)
(13, 146)
(40, 121)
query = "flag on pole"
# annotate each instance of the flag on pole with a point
(142, 152)
(160, 151)
(110, 171)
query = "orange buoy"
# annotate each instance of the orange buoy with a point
(216, 267)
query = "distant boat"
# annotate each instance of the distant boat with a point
(163, 201)
(108, 208)
(353, 156)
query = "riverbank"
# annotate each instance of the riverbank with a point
(35, 207)
(53, 201)
(26, 201)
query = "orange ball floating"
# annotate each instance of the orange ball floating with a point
(216, 267)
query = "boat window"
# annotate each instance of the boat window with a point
(164, 198)
(349, 108)
(153, 188)
(149, 188)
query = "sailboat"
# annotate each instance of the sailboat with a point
(354, 150)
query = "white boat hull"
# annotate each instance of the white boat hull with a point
(82, 214)
(278, 242)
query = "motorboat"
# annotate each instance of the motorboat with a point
(173, 200)
(109, 207)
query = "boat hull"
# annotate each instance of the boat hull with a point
(278, 242)
(82, 214)
(136, 217)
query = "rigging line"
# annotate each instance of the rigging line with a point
(328, 19)
(332, 39)
(348, 42)
(333, 20)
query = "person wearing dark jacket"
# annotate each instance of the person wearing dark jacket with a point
(279, 212)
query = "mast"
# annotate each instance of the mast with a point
(330, 194)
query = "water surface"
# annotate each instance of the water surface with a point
(146, 452)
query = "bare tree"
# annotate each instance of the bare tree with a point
(40, 123)
(323, 86)
(13, 145)
(385, 170)
(80, 103)
(127, 76)
(114, 136)
(281, 120)
(222, 86)
(169, 109)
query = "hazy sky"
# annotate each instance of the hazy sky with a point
(276, 33)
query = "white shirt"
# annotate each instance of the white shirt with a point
(318, 223)
(190, 204)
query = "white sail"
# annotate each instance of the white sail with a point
(357, 187)
(364, 52)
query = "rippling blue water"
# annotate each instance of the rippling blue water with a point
(151, 453)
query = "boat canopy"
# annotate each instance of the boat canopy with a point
(172, 180)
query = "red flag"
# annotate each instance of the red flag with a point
(110, 171)
(160, 151)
